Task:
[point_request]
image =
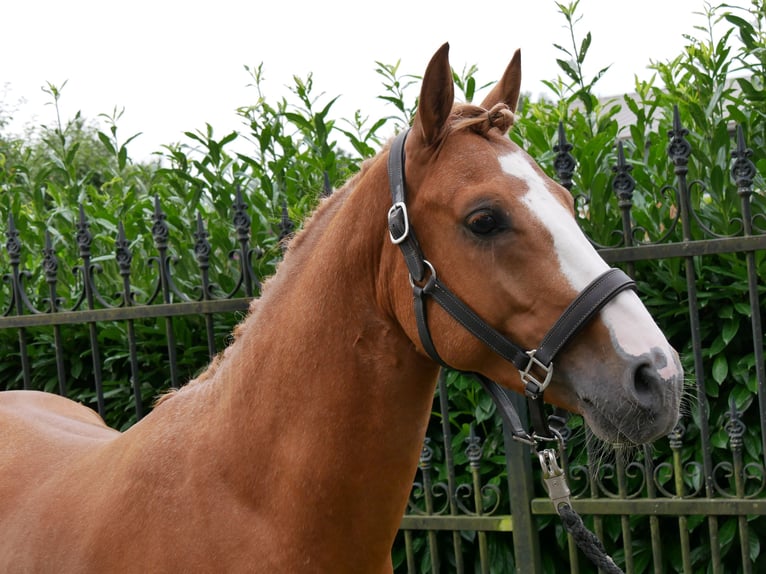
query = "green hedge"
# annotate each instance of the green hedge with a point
(288, 153)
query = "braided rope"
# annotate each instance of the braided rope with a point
(587, 541)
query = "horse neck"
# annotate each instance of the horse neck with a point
(322, 388)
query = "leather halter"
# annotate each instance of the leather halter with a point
(535, 365)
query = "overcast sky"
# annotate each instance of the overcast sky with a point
(175, 65)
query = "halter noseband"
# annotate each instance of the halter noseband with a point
(535, 365)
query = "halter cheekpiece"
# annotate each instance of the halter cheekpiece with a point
(534, 365)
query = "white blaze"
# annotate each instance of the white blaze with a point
(631, 327)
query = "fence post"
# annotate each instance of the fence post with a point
(526, 542)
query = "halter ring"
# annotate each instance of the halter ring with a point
(431, 277)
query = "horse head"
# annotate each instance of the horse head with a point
(502, 237)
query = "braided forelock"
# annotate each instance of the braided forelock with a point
(481, 120)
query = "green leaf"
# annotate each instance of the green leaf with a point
(729, 330)
(727, 532)
(754, 542)
(584, 45)
(106, 142)
(716, 347)
(743, 309)
(746, 31)
(726, 312)
(720, 369)
(470, 88)
(719, 439)
(568, 69)
(122, 158)
(561, 48)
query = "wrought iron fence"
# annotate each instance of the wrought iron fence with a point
(644, 506)
(165, 303)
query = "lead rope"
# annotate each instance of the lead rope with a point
(556, 485)
(554, 479)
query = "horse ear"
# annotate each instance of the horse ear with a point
(437, 95)
(507, 90)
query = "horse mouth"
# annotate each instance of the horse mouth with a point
(631, 426)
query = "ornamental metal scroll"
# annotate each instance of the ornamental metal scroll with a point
(682, 212)
(164, 290)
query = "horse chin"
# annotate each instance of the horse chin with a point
(622, 429)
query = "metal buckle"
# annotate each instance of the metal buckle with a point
(398, 210)
(532, 385)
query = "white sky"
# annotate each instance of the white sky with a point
(175, 65)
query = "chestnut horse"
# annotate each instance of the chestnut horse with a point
(295, 451)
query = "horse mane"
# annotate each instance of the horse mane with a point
(299, 246)
(464, 117)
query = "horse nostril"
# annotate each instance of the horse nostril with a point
(645, 386)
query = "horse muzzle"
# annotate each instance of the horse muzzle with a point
(643, 407)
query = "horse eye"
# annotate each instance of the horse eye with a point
(484, 223)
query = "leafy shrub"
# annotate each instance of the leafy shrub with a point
(288, 155)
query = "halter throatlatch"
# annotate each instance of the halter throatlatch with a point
(534, 365)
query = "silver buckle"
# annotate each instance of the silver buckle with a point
(400, 205)
(532, 385)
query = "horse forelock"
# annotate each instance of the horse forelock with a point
(481, 120)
